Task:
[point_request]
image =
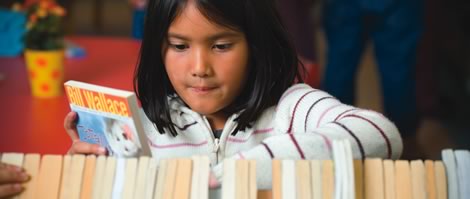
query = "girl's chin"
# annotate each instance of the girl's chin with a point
(203, 109)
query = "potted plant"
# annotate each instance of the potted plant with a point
(44, 47)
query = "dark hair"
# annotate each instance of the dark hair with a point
(273, 62)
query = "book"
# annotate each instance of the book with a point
(241, 178)
(31, 165)
(108, 117)
(450, 164)
(183, 178)
(431, 189)
(277, 178)
(65, 182)
(316, 178)
(403, 180)
(303, 174)
(374, 179)
(418, 179)
(358, 178)
(140, 182)
(462, 159)
(108, 177)
(98, 177)
(72, 176)
(328, 179)
(151, 179)
(389, 179)
(88, 173)
(49, 177)
(288, 179)
(252, 187)
(228, 179)
(441, 180)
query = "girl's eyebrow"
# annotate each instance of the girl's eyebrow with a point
(213, 37)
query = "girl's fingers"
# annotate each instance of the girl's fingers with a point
(71, 126)
(79, 147)
(10, 189)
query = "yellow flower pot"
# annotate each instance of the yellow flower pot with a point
(45, 72)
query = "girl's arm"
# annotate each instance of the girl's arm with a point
(306, 122)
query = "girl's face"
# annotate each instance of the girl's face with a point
(206, 63)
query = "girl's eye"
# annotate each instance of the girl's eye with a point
(179, 47)
(222, 47)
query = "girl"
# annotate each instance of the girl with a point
(216, 78)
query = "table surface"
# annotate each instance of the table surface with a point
(35, 125)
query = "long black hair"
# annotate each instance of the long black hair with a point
(273, 63)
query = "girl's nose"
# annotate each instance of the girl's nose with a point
(201, 64)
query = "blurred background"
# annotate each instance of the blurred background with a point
(441, 56)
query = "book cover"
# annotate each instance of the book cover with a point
(108, 117)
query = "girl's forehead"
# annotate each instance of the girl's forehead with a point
(192, 21)
(190, 16)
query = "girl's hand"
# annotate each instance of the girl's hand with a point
(11, 178)
(79, 147)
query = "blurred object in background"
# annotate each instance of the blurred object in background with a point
(298, 19)
(12, 29)
(138, 17)
(395, 28)
(446, 57)
(73, 50)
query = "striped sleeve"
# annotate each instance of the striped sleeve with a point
(307, 120)
(307, 111)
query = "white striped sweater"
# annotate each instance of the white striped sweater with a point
(301, 126)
